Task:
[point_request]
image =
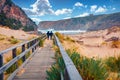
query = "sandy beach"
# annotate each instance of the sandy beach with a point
(98, 44)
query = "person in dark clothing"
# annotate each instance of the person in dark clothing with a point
(51, 34)
(48, 34)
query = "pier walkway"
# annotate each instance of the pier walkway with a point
(36, 67)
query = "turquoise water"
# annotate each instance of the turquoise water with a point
(63, 31)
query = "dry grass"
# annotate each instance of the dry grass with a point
(115, 44)
(9, 37)
(68, 44)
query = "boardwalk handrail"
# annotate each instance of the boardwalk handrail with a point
(26, 47)
(25, 42)
(71, 71)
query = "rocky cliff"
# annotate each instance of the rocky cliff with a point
(92, 22)
(14, 17)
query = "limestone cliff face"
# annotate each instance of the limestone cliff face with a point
(90, 23)
(12, 11)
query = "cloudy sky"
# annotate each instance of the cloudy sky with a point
(47, 10)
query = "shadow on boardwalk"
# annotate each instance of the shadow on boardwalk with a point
(36, 68)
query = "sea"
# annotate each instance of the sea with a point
(63, 31)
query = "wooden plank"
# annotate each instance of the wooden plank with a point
(17, 70)
(34, 42)
(36, 67)
(6, 66)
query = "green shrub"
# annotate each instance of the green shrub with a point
(113, 64)
(54, 73)
(13, 41)
(60, 36)
(28, 28)
(69, 39)
(11, 68)
(41, 43)
(89, 69)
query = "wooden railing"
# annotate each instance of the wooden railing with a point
(71, 73)
(25, 48)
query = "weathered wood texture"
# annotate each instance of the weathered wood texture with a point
(71, 73)
(26, 47)
(36, 68)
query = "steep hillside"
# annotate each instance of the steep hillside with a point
(92, 22)
(14, 17)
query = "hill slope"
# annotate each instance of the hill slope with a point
(14, 17)
(93, 22)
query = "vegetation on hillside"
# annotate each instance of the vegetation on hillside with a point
(11, 23)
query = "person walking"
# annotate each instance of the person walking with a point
(48, 34)
(51, 34)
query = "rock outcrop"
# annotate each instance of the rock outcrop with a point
(14, 17)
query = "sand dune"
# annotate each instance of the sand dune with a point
(19, 34)
(98, 44)
(7, 33)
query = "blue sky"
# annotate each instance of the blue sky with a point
(51, 10)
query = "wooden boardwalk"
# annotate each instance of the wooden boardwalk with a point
(36, 68)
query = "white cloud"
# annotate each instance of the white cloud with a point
(78, 4)
(63, 11)
(67, 18)
(40, 8)
(83, 15)
(37, 20)
(101, 9)
(113, 8)
(93, 8)
(43, 7)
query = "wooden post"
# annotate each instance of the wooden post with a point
(14, 55)
(32, 45)
(23, 49)
(28, 45)
(38, 43)
(1, 64)
(35, 43)
(32, 42)
(32, 50)
(66, 76)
